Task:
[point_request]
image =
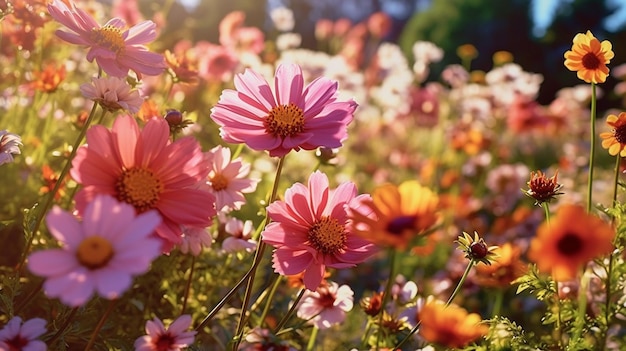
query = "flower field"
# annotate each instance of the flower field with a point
(253, 194)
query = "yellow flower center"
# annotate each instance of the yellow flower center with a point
(570, 244)
(620, 134)
(401, 223)
(327, 236)
(109, 37)
(94, 252)
(219, 182)
(591, 61)
(285, 120)
(140, 188)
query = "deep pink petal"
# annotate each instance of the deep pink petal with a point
(154, 137)
(254, 85)
(313, 276)
(125, 135)
(64, 227)
(192, 207)
(318, 193)
(290, 262)
(289, 82)
(317, 94)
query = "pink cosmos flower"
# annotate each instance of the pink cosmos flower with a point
(115, 48)
(112, 93)
(102, 253)
(9, 145)
(228, 179)
(310, 230)
(327, 305)
(173, 338)
(216, 63)
(292, 117)
(240, 238)
(16, 336)
(147, 170)
(194, 239)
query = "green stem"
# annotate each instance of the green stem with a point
(66, 323)
(311, 344)
(269, 298)
(607, 301)
(579, 323)
(616, 179)
(546, 209)
(57, 185)
(497, 304)
(392, 276)
(257, 258)
(188, 285)
(592, 150)
(292, 309)
(96, 331)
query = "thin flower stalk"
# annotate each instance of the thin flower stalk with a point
(290, 312)
(188, 285)
(392, 273)
(312, 338)
(266, 309)
(592, 146)
(96, 330)
(63, 327)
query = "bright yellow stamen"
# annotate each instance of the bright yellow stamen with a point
(94, 252)
(285, 120)
(109, 37)
(219, 182)
(140, 188)
(327, 236)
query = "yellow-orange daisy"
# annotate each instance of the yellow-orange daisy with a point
(589, 58)
(402, 213)
(569, 241)
(450, 326)
(615, 140)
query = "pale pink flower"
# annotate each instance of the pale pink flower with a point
(112, 93)
(15, 336)
(194, 239)
(147, 170)
(174, 338)
(327, 305)
(311, 231)
(100, 254)
(116, 48)
(292, 117)
(240, 238)
(263, 339)
(228, 179)
(9, 145)
(127, 10)
(216, 63)
(228, 27)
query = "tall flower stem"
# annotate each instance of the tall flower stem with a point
(188, 285)
(292, 309)
(618, 160)
(311, 344)
(96, 330)
(392, 276)
(257, 257)
(592, 149)
(268, 304)
(454, 293)
(57, 185)
(64, 326)
(546, 210)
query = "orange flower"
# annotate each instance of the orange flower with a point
(403, 212)
(569, 241)
(589, 58)
(48, 79)
(450, 326)
(615, 141)
(503, 270)
(543, 189)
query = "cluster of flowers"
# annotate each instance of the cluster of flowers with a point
(141, 188)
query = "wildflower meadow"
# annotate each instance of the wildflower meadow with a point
(253, 194)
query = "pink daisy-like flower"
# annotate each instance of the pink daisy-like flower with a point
(116, 48)
(16, 336)
(102, 253)
(240, 238)
(194, 239)
(327, 305)
(228, 179)
(147, 170)
(9, 145)
(292, 117)
(174, 338)
(311, 231)
(112, 93)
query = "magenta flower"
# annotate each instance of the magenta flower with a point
(102, 253)
(310, 230)
(292, 117)
(195, 239)
(327, 305)
(115, 48)
(9, 145)
(147, 170)
(16, 336)
(228, 179)
(159, 338)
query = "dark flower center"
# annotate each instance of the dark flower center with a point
(94, 252)
(591, 61)
(401, 223)
(219, 182)
(620, 134)
(17, 343)
(570, 244)
(109, 37)
(139, 187)
(164, 342)
(285, 120)
(327, 236)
